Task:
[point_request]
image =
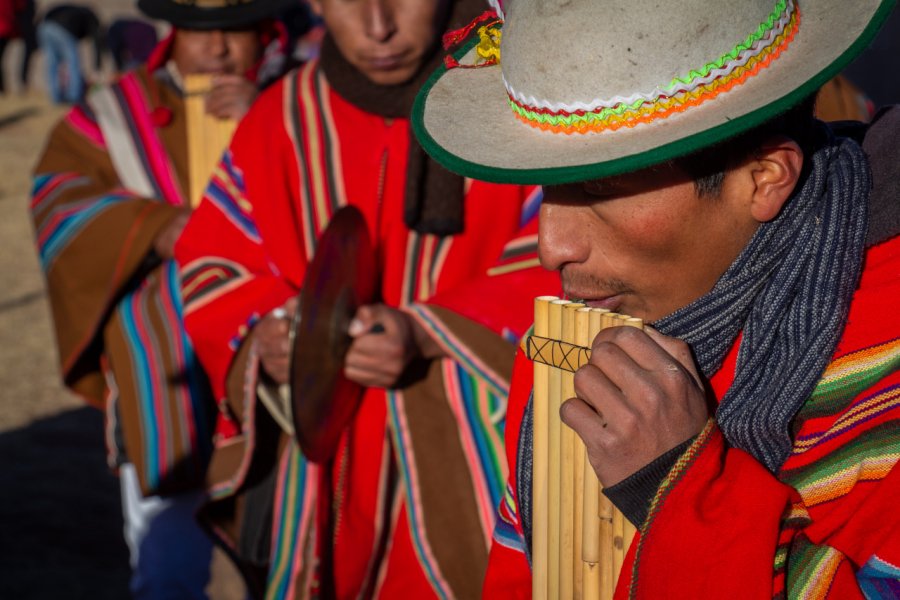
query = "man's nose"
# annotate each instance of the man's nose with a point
(380, 23)
(216, 43)
(562, 236)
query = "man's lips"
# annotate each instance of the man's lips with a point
(386, 62)
(610, 303)
(216, 70)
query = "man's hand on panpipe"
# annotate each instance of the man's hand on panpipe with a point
(638, 397)
(272, 338)
(230, 97)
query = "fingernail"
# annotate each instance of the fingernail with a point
(356, 328)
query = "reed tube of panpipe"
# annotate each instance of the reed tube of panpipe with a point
(619, 526)
(582, 339)
(567, 554)
(609, 573)
(554, 459)
(591, 554)
(540, 412)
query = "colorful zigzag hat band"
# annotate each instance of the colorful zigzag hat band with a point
(756, 52)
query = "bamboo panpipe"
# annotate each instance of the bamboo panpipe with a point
(207, 136)
(579, 538)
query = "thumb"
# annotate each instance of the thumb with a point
(362, 321)
(677, 349)
(290, 305)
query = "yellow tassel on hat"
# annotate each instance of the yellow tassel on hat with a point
(487, 51)
(488, 47)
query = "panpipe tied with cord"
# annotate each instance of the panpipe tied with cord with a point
(579, 539)
(207, 136)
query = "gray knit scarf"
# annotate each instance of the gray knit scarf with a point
(788, 294)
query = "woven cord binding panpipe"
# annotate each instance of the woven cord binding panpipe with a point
(562, 355)
(579, 540)
(555, 353)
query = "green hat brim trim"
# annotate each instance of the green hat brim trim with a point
(641, 160)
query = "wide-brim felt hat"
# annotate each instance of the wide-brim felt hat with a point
(213, 14)
(586, 89)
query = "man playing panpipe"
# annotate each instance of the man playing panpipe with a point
(406, 507)
(750, 433)
(110, 198)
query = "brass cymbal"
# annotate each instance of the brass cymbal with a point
(340, 279)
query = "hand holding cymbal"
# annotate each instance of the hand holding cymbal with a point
(272, 337)
(383, 346)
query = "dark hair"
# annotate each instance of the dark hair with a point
(708, 166)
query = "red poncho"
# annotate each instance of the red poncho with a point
(419, 473)
(722, 526)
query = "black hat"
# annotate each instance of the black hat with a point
(212, 14)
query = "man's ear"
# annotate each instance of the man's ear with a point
(775, 170)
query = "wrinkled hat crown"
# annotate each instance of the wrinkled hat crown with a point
(591, 88)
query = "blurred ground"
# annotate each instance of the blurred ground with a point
(60, 514)
(60, 510)
(60, 517)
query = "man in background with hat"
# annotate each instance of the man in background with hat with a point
(752, 433)
(406, 507)
(110, 198)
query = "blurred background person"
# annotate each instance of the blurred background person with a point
(17, 21)
(59, 33)
(28, 33)
(305, 31)
(8, 31)
(130, 42)
(336, 131)
(840, 100)
(875, 71)
(110, 199)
